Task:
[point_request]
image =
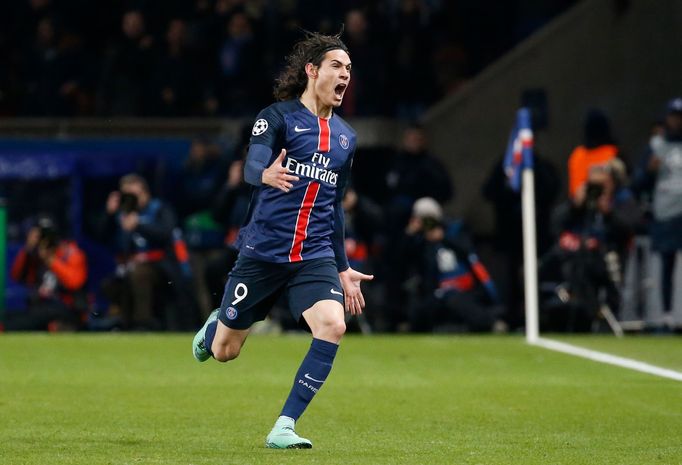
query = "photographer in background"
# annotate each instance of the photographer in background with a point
(604, 208)
(447, 284)
(149, 288)
(55, 271)
(412, 173)
(594, 231)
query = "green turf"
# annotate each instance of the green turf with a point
(135, 399)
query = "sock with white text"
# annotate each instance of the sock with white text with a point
(311, 375)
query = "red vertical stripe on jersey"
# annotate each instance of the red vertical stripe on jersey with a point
(323, 141)
(302, 221)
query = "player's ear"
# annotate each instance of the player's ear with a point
(311, 70)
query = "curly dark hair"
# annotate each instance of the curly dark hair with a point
(292, 81)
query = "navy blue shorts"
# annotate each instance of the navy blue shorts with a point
(254, 286)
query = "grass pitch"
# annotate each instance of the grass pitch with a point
(142, 399)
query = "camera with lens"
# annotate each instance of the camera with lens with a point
(128, 203)
(592, 193)
(49, 237)
(429, 223)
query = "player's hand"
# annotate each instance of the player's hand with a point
(278, 176)
(350, 281)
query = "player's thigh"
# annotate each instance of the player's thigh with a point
(251, 290)
(313, 281)
(316, 296)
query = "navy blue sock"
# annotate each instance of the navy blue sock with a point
(313, 371)
(209, 335)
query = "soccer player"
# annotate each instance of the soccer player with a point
(299, 161)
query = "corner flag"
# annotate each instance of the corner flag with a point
(518, 166)
(519, 153)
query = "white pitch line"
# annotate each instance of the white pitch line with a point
(607, 358)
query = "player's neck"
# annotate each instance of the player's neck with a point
(315, 106)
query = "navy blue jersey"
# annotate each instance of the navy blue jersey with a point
(307, 221)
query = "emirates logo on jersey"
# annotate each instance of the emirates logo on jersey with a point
(314, 170)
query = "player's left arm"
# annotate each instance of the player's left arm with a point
(350, 278)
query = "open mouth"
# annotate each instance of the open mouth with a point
(340, 89)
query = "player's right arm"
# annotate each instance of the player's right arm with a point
(267, 136)
(276, 175)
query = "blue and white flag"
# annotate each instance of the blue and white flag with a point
(519, 153)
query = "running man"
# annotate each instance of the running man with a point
(299, 161)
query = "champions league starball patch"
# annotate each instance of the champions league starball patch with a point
(343, 140)
(259, 127)
(231, 312)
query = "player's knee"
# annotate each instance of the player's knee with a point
(225, 353)
(340, 328)
(334, 329)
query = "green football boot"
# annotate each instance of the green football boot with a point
(283, 436)
(198, 349)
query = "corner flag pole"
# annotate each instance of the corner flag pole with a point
(530, 257)
(518, 166)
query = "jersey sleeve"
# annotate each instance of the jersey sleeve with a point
(339, 236)
(257, 160)
(266, 136)
(268, 128)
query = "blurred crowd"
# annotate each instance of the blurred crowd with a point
(173, 254)
(219, 57)
(586, 237)
(173, 250)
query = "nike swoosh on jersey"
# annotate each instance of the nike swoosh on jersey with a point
(297, 129)
(334, 291)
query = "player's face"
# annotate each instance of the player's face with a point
(333, 77)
